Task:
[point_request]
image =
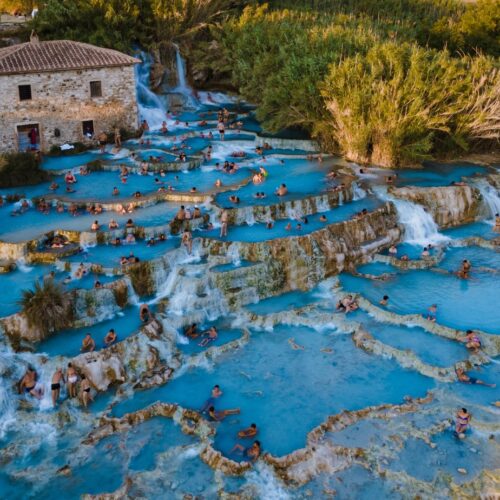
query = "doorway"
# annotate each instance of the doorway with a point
(28, 137)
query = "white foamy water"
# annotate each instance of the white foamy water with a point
(420, 227)
(491, 198)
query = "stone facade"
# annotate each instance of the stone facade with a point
(61, 101)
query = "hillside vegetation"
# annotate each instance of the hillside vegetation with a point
(391, 82)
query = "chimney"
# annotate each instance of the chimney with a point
(34, 37)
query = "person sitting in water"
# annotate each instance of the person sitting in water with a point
(88, 344)
(69, 178)
(431, 313)
(81, 271)
(196, 212)
(347, 304)
(210, 335)
(322, 218)
(115, 191)
(181, 214)
(192, 331)
(54, 186)
(215, 393)
(219, 415)
(116, 242)
(253, 452)
(465, 270)
(465, 379)
(393, 250)
(270, 224)
(95, 226)
(282, 190)
(97, 284)
(385, 300)
(462, 422)
(28, 384)
(144, 313)
(405, 258)
(151, 242)
(130, 239)
(425, 253)
(130, 224)
(113, 224)
(110, 338)
(472, 341)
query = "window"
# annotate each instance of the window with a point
(24, 92)
(95, 89)
(88, 128)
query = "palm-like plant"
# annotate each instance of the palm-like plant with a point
(46, 307)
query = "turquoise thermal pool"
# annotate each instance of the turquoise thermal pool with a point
(360, 402)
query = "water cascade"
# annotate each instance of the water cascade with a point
(151, 107)
(491, 198)
(420, 227)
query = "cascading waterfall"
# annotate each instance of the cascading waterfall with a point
(22, 266)
(182, 86)
(420, 227)
(151, 107)
(358, 193)
(181, 71)
(491, 198)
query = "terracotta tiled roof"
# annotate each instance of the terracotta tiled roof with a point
(59, 55)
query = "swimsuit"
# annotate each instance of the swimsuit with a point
(462, 423)
(55, 387)
(29, 389)
(87, 389)
(72, 379)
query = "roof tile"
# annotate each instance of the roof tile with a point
(59, 55)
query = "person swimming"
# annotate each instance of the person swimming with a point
(219, 415)
(385, 300)
(465, 379)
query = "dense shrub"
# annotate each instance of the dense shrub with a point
(20, 169)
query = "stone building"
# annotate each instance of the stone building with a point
(58, 92)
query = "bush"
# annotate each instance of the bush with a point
(47, 307)
(20, 169)
(79, 147)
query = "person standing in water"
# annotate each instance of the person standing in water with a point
(72, 379)
(187, 240)
(224, 217)
(55, 387)
(496, 228)
(85, 391)
(464, 271)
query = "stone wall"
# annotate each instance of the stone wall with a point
(306, 260)
(62, 101)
